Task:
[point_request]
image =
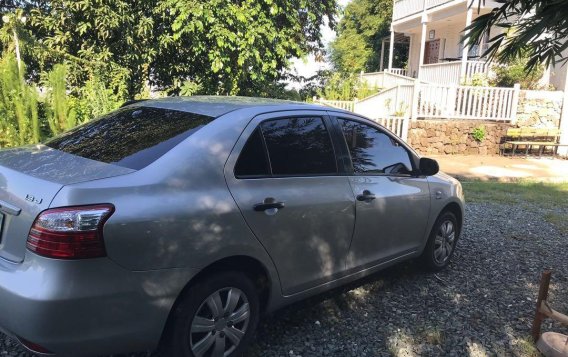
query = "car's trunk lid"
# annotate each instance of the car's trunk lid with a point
(30, 177)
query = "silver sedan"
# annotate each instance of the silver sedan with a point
(174, 224)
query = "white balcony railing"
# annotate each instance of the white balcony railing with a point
(473, 68)
(404, 8)
(399, 71)
(450, 73)
(441, 73)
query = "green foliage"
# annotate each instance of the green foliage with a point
(478, 80)
(89, 56)
(95, 99)
(61, 114)
(190, 88)
(228, 47)
(340, 86)
(533, 29)
(514, 72)
(18, 106)
(359, 35)
(28, 115)
(478, 134)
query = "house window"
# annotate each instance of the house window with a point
(475, 50)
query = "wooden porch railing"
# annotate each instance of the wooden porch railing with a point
(404, 8)
(448, 73)
(467, 102)
(396, 106)
(395, 101)
(475, 67)
(398, 125)
(340, 104)
(385, 79)
(441, 73)
(398, 71)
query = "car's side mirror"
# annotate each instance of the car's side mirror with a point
(428, 167)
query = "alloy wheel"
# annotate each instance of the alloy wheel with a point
(220, 323)
(444, 242)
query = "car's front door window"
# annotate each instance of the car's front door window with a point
(374, 152)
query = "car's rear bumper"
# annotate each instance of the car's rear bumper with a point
(86, 307)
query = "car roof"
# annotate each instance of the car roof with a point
(216, 106)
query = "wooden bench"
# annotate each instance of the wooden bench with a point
(530, 138)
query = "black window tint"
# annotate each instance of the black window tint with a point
(130, 137)
(253, 160)
(299, 146)
(373, 151)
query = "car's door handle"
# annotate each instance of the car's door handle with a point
(366, 196)
(259, 207)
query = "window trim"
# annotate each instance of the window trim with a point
(351, 172)
(329, 126)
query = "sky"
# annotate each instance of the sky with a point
(309, 66)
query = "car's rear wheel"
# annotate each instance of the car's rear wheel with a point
(442, 242)
(216, 317)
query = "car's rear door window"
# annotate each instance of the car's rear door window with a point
(299, 146)
(253, 161)
(374, 152)
(131, 137)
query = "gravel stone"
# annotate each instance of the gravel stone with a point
(481, 305)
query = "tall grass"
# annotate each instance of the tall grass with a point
(28, 115)
(19, 117)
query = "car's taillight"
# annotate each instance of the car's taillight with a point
(70, 232)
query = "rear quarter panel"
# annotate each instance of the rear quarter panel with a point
(178, 211)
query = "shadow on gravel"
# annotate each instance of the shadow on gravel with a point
(482, 305)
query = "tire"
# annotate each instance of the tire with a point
(195, 329)
(442, 242)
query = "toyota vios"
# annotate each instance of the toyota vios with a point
(175, 223)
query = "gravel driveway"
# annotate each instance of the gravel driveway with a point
(482, 305)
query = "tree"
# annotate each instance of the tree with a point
(358, 44)
(536, 29)
(225, 46)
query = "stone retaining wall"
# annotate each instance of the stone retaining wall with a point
(539, 109)
(455, 136)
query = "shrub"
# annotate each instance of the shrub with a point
(478, 134)
(514, 72)
(19, 122)
(340, 86)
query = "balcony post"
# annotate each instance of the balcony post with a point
(381, 65)
(408, 69)
(422, 44)
(465, 50)
(391, 48)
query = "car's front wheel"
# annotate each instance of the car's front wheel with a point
(215, 317)
(442, 242)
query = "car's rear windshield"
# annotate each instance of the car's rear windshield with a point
(131, 137)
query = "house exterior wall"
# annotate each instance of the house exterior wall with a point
(558, 74)
(448, 32)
